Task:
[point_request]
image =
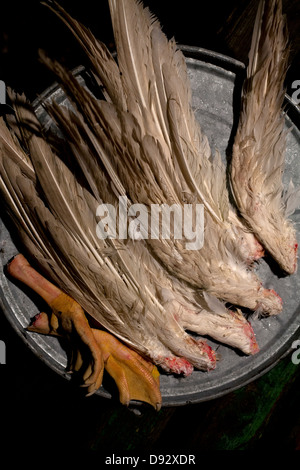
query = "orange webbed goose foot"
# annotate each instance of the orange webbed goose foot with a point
(135, 377)
(67, 319)
(50, 325)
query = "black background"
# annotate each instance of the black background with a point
(224, 27)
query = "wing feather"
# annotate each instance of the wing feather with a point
(259, 148)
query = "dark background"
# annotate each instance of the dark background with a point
(224, 27)
(37, 404)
